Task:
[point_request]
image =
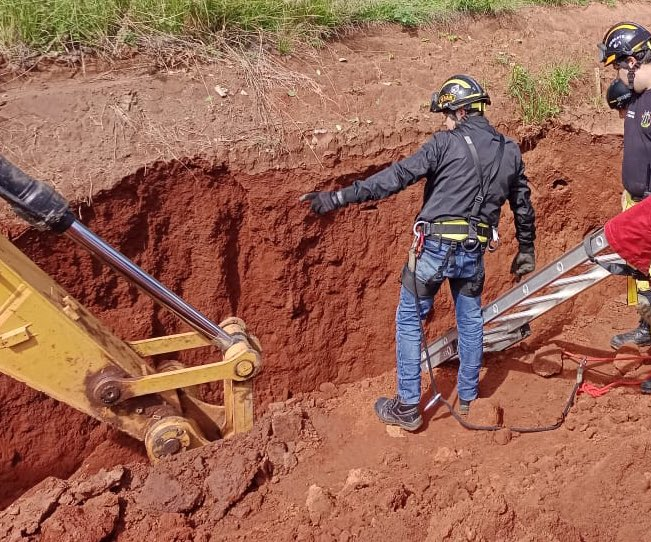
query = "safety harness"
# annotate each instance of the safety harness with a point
(474, 219)
(471, 227)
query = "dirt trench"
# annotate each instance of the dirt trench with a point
(320, 293)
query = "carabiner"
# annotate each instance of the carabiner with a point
(419, 238)
(415, 229)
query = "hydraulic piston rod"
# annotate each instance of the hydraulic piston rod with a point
(43, 207)
(168, 299)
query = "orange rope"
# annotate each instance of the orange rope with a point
(579, 357)
(596, 391)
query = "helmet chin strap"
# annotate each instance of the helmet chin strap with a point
(636, 65)
(631, 75)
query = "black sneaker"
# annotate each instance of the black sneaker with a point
(644, 310)
(640, 336)
(645, 387)
(464, 407)
(393, 412)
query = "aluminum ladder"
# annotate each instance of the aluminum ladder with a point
(506, 320)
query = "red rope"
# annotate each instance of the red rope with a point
(579, 357)
(597, 391)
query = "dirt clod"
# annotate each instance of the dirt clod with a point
(503, 436)
(395, 432)
(547, 362)
(287, 426)
(24, 517)
(626, 366)
(97, 484)
(319, 504)
(163, 493)
(92, 522)
(328, 389)
(485, 412)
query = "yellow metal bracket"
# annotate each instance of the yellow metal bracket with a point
(15, 337)
(169, 343)
(51, 342)
(241, 364)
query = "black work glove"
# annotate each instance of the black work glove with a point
(324, 202)
(524, 262)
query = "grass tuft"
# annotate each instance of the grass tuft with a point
(541, 97)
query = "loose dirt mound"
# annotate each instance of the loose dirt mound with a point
(586, 481)
(223, 228)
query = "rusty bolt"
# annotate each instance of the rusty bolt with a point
(244, 368)
(170, 447)
(109, 394)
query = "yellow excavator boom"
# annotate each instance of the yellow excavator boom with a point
(52, 343)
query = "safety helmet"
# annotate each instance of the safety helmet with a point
(618, 95)
(460, 92)
(623, 40)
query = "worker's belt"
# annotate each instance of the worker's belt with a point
(630, 198)
(431, 229)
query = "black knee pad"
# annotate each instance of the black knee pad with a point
(429, 289)
(474, 286)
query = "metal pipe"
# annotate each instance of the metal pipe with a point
(159, 293)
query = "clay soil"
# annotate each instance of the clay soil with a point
(202, 192)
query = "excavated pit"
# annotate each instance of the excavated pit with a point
(223, 228)
(320, 293)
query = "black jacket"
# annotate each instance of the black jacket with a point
(452, 181)
(636, 165)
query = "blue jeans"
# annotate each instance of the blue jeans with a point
(465, 272)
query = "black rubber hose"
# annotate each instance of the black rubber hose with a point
(454, 413)
(35, 201)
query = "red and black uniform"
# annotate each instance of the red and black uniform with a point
(629, 234)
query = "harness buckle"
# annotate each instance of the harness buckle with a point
(470, 245)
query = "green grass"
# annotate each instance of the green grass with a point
(540, 97)
(39, 24)
(42, 24)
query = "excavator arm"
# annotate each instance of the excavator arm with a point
(52, 343)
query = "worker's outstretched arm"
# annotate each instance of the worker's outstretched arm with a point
(390, 180)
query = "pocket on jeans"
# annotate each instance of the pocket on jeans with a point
(429, 264)
(473, 263)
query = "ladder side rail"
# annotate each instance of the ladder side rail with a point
(445, 347)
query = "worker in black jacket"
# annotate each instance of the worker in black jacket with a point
(470, 172)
